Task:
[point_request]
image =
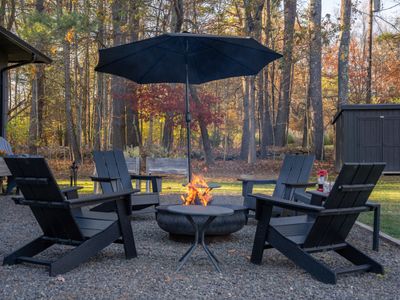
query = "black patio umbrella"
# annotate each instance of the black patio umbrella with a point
(186, 58)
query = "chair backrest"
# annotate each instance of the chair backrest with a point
(296, 168)
(112, 164)
(37, 184)
(5, 146)
(351, 190)
(174, 166)
(133, 164)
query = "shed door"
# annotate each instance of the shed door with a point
(391, 143)
(369, 142)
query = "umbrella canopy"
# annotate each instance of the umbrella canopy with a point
(186, 58)
(163, 59)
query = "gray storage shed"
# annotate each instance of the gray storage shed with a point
(368, 133)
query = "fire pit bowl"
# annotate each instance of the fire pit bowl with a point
(224, 225)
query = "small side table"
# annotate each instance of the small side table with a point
(317, 198)
(209, 211)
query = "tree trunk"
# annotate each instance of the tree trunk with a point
(40, 76)
(99, 100)
(252, 155)
(368, 96)
(244, 149)
(282, 121)
(343, 56)
(72, 139)
(203, 129)
(118, 88)
(267, 137)
(132, 126)
(176, 22)
(33, 121)
(66, 52)
(305, 142)
(150, 132)
(168, 132)
(315, 76)
(253, 16)
(132, 115)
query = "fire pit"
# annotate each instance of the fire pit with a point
(198, 192)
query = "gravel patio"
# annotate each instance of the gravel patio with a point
(152, 274)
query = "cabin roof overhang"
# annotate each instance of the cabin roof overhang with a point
(18, 51)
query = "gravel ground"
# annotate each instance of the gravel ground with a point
(152, 274)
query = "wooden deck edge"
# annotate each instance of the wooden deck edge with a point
(382, 235)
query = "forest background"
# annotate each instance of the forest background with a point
(66, 109)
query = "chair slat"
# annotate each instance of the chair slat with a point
(102, 171)
(122, 168)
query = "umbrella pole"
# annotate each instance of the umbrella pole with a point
(188, 119)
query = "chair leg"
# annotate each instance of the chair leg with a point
(85, 250)
(359, 258)
(123, 211)
(247, 188)
(304, 260)
(377, 226)
(264, 213)
(29, 250)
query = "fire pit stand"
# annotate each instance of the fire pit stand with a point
(197, 210)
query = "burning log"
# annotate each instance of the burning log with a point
(198, 192)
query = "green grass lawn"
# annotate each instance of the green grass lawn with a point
(387, 193)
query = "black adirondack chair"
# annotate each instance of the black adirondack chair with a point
(63, 222)
(323, 228)
(293, 177)
(113, 176)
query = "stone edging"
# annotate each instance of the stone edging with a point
(382, 235)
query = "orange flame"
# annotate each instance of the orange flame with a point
(197, 189)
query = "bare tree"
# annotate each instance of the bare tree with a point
(253, 15)
(118, 87)
(176, 22)
(33, 120)
(343, 55)
(66, 51)
(133, 137)
(267, 131)
(315, 92)
(100, 99)
(203, 129)
(244, 148)
(282, 121)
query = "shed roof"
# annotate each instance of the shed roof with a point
(365, 107)
(19, 51)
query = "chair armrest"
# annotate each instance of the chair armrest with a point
(319, 194)
(300, 184)
(71, 189)
(297, 206)
(103, 179)
(146, 177)
(43, 204)
(98, 199)
(372, 204)
(71, 192)
(302, 196)
(257, 181)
